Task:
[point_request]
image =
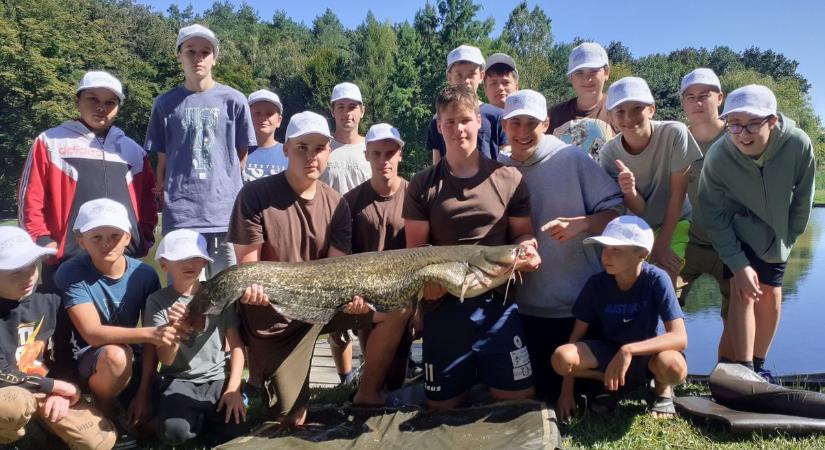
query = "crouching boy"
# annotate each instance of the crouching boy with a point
(27, 321)
(195, 384)
(630, 300)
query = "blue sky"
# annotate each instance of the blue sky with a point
(793, 29)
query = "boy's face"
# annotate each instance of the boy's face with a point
(18, 283)
(459, 126)
(525, 132)
(751, 144)
(701, 103)
(497, 87)
(384, 156)
(266, 117)
(105, 244)
(465, 72)
(307, 155)
(184, 271)
(633, 118)
(589, 82)
(621, 259)
(197, 57)
(347, 114)
(98, 108)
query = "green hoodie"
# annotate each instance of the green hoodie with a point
(766, 207)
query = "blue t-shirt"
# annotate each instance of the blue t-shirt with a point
(265, 161)
(118, 302)
(491, 135)
(200, 133)
(628, 316)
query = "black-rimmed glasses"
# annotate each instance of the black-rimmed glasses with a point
(753, 128)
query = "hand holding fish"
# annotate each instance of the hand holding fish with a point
(529, 255)
(357, 306)
(254, 295)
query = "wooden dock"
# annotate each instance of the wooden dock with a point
(323, 373)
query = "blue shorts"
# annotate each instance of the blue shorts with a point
(479, 340)
(604, 351)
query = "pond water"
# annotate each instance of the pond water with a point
(799, 345)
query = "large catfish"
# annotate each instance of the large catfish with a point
(314, 291)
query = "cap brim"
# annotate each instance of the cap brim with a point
(757, 112)
(646, 101)
(215, 43)
(103, 223)
(259, 100)
(34, 253)
(523, 112)
(397, 141)
(699, 83)
(182, 257)
(109, 88)
(304, 133)
(587, 65)
(333, 100)
(608, 240)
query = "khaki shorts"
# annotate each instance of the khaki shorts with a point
(701, 259)
(283, 362)
(83, 427)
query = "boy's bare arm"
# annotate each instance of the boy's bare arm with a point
(236, 358)
(160, 179)
(579, 330)
(674, 338)
(87, 321)
(243, 152)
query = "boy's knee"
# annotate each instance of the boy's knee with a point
(175, 431)
(564, 359)
(17, 406)
(115, 360)
(669, 367)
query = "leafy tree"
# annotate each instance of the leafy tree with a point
(527, 37)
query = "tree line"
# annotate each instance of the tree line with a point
(46, 46)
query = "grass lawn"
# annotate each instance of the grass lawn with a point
(819, 195)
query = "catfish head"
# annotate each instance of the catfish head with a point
(491, 267)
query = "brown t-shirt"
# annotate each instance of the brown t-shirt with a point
(292, 229)
(563, 112)
(467, 210)
(376, 220)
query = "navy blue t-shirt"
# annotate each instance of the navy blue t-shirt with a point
(629, 316)
(491, 135)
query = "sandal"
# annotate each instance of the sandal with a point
(604, 403)
(663, 405)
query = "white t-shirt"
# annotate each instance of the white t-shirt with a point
(347, 166)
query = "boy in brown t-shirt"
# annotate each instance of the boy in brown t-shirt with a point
(467, 199)
(319, 225)
(377, 225)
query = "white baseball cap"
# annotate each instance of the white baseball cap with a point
(381, 131)
(100, 79)
(501, 58)
(752, 99)
(703, 76)
(629, 89)
(193, 31)
(465, 53)
(263, 95)
(182, 244)
(307, 122)
(525, 102)
(625, 231)
(346, 91)
(18, 250)
(587, 55)
(102, 212)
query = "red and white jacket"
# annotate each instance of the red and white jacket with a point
(67, 166)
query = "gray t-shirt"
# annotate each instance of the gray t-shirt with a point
(671, 149)
(200, 133)
(202, 357)
(347, 167)
(563, 181)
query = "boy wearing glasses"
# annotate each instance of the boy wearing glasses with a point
(756, 191)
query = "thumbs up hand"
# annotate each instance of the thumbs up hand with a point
(626, 179)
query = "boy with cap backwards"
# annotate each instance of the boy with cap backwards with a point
(200, 378)
(583, 120)
(500, 78)
(104, 292)
(642, 327)
(347, 166)
(200, 131)
(469, 199)
(267, 158)
(27, 321)
(755, 192)
(80, 160)
(651, 161)
(571, 197)
(465, 66)
(280, 350)
(377, 225)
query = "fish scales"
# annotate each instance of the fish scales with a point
(313, 291)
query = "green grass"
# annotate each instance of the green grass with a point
(819, 194)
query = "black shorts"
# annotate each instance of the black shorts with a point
(637, 374)
(771, 274)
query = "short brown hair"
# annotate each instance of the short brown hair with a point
(456, 95)
(501, 70)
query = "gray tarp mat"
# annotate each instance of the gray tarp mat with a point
(746, 422)
(524, 424)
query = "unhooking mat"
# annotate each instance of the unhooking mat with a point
(740, 422)
(524, 424)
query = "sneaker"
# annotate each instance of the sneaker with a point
(125, 439)
(767, 375)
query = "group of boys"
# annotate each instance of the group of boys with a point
(590, 305)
